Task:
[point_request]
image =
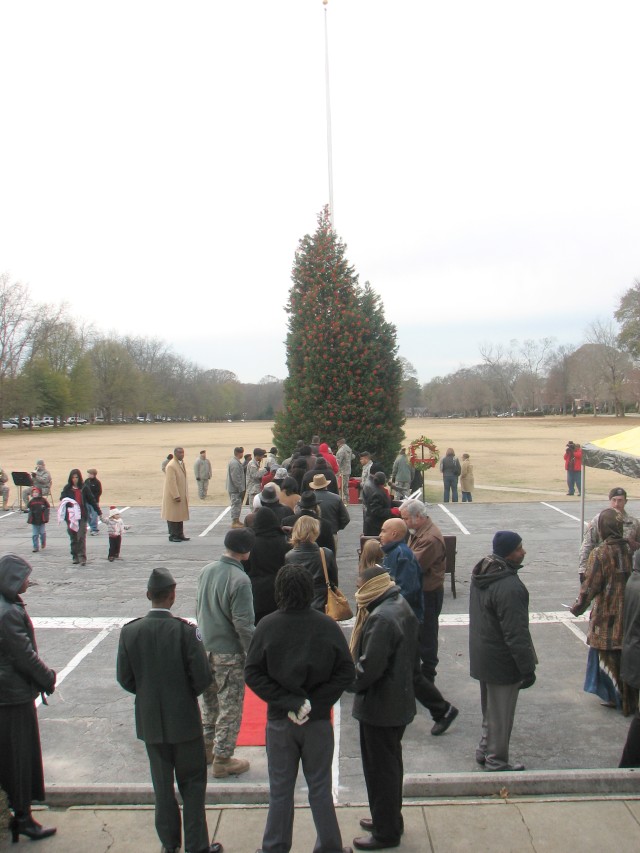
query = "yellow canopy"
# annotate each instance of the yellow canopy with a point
(619, 452)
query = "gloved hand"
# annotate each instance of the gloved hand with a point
(302, 716)
(528, 681)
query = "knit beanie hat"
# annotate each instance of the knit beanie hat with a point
(505, 542)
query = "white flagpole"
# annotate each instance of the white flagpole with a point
(328, 95)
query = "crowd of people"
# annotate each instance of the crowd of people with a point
(262, 621)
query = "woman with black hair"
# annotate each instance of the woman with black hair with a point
(72, 509)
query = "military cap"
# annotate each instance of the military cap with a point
(160, 580)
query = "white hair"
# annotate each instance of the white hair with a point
(415, 509)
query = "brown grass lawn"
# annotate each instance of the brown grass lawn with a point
(510, 453)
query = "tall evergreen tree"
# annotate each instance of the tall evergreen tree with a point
(344, 372)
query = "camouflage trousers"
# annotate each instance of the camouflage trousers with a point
(236, 504)
(222, 702)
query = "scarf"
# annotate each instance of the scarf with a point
(366, 595)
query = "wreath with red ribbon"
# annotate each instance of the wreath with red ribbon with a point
(423, 454)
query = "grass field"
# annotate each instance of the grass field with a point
(507, 453)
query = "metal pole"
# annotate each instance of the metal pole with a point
(328, 98)
(582, 503)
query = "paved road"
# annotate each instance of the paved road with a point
(87, 730)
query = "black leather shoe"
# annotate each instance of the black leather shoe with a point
(368, 842)
(444, 722)
(29, 827)
(183, 538)
(175, 539)
(367, 823)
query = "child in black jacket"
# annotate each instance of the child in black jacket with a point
(38, 508)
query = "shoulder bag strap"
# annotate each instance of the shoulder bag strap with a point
(324, 567)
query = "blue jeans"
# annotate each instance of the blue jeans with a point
(450, 486)
(574, 481)
(92, 518)
(466, 497)
(39, 534)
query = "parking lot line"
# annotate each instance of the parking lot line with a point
(77, 659)
(454, 519)
(215, 521)
(562, 512)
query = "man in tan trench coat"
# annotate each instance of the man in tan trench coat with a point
(175, 497)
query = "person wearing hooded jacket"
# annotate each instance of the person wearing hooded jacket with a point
(265, 560)
(23, 675)
(501, 653)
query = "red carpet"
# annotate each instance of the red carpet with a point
(254, 720)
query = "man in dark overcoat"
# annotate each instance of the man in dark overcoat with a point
(162, 661)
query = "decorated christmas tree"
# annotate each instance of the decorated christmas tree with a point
(344, 373)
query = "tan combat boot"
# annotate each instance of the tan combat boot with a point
(228, 766)
(236, 523)
(208, 749)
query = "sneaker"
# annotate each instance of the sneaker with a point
(228, 766)
(35, 550)
(443, 723)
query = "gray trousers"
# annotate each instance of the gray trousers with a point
(188, 763)
(498, 703)
(203, 488)
(287, 745)
(236, 504)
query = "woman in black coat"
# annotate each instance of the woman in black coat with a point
(23, 675)
(266, 559)
(307, 553)
(308, 506)
(76, 490)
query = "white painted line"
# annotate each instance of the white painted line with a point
(8, 513)
(73, 663)
(335, 764)
(562, 512)
(575, 630)
(218, 519)
(450, 620)
(455, 520)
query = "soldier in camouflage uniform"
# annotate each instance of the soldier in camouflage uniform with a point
(224, 608)
(344, 455)
(255, 473)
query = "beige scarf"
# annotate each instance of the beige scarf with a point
(368, 592)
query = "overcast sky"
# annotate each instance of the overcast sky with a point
(160, 162)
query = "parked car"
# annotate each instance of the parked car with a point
(9, 425)
(47, 421)
(76, 421)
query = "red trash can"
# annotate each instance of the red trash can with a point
(354, 491)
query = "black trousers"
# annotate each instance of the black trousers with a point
(381, 748)
(428, 637)
(187, 762)
(114, 546)
(631, 752)
(176, 528)
(428, 695)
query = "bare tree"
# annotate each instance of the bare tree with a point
(611, 362)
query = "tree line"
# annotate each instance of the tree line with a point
(599, 375)
(52, 365)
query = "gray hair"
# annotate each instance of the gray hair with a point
(415, 509)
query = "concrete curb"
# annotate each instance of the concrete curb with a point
(527, 783)
(419, 786)
(141, 793)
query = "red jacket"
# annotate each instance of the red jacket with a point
(573, 459)
(331, 459)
